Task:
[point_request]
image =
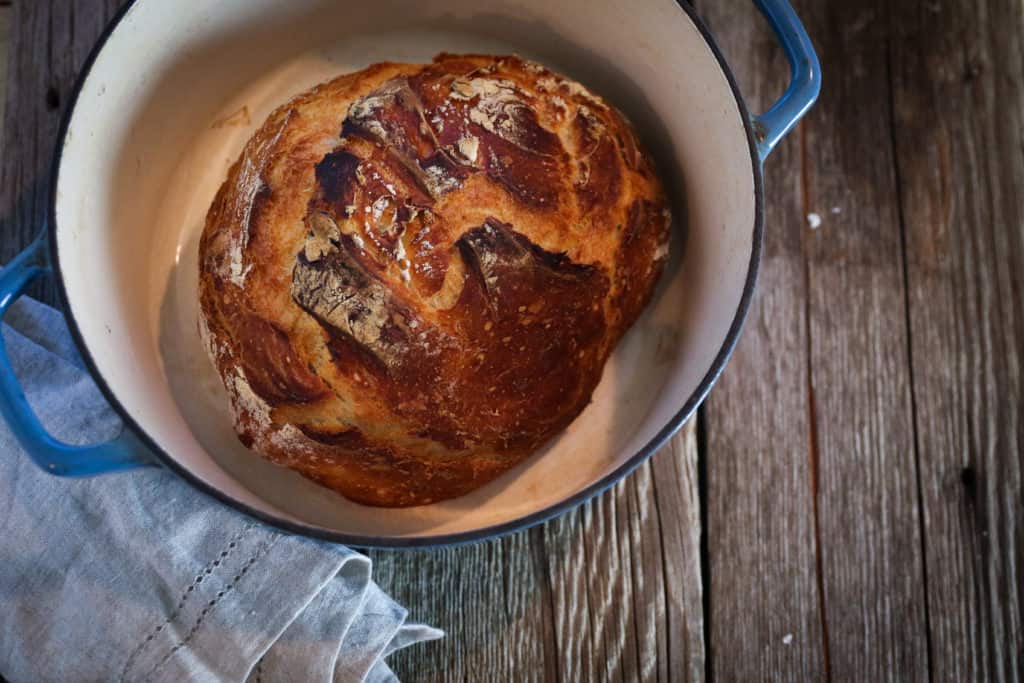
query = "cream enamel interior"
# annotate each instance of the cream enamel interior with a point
(180, 86)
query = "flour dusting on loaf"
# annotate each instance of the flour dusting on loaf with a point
(413, 276)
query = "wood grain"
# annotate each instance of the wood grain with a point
(867, 493)
(51, 41)
(843, 411)
(5, 41)
(609, 592)
(765, 619)
(959, 139)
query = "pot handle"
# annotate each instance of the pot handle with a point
(805, 77)
(55, 457)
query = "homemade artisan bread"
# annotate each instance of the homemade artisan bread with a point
(414, 274)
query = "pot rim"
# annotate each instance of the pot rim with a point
(438, 540)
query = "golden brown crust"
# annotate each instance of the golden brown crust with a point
(414, 274)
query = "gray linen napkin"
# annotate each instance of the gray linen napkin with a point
(136, 576)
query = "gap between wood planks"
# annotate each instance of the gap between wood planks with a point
(922, 531)
(813, 443)
(849, 322)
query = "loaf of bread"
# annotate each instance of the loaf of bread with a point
(412, 277)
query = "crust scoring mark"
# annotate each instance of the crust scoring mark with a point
(483, 124)
(251, 185)
(393, 117)
(490, 129)
(342, 294)
(323, 238)
(496, 252)
(246, 403)
(451, 287)
(482, 120)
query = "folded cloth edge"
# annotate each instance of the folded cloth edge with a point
(38, 332)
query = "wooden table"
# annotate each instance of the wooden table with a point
(848, 503)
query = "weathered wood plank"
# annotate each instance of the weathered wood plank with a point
(5, 41)
(862, 418)
(958, 91)
(50, 42)
(610, 592)
(493, 600)
(765, 620)
(674, 474)
(843, 414)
